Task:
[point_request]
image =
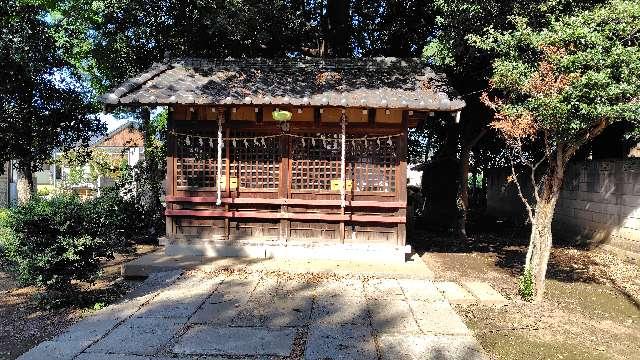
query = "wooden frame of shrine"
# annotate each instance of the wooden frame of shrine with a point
(327, 180)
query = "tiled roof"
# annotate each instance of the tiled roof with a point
(368, 83)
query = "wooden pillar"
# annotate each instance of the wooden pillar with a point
(227, 172)
(283, 186)
(401, 178)
(341, 228)
(170, 182)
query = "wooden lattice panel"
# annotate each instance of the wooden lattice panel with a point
(255, 164)
(371, 164)
(314, 163)
(196, 162)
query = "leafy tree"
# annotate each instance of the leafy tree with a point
(112, 40)
(42, 104)
(556, 87)
(450, 48)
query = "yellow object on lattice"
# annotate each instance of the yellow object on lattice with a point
(233, 182)
(337, 184)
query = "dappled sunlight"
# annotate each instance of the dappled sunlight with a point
(290, 316)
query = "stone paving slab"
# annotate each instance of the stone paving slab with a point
(138, 336)
(422, 290)
(234, 288)
(217, 313)
(340, 311)
(191, 288)
(90, 329)
(403, 347)
(392, 317)
(293, 287)
(438, 318)
(383, 289)
(211, 340)
(455, 293)
(266, 287)
(337, 342)
(55, 350)
(485, 294)
(169, 309)
(276, 312)
(346, 289)
(154, 282)
(94, 356)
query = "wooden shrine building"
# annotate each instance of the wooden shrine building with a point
(292, 158)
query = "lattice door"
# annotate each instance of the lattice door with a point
(256, 163)
(315, 162)
(196, 162)
(371, 164)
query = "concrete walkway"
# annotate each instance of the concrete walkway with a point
(261, 315)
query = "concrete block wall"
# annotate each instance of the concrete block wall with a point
(600, 205)
(4, 186)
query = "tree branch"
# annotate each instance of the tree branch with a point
(522, 197)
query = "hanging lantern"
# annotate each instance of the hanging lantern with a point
(283, 117)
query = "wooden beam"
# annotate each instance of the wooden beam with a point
(372, 117)
(290, 202)
(317, 116)
(288, 216)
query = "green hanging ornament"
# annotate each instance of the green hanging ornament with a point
(281, 115)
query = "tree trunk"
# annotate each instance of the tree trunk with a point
(151, 182)
(26, 186)
(541, 238)
(337, 28)
(462, 198)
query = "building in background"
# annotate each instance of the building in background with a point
(122, 146)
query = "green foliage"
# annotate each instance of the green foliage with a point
(98, 162)
(118, 220)
(43, 105)
(50, 242)
(48, 245)
(577, 71)
(525, 285)
(112, 40)
(76, 175)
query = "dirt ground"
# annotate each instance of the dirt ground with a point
(591, 308)
(24, 323)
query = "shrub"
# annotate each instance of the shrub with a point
(116, 219)
(525, 285)
(48, 244)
